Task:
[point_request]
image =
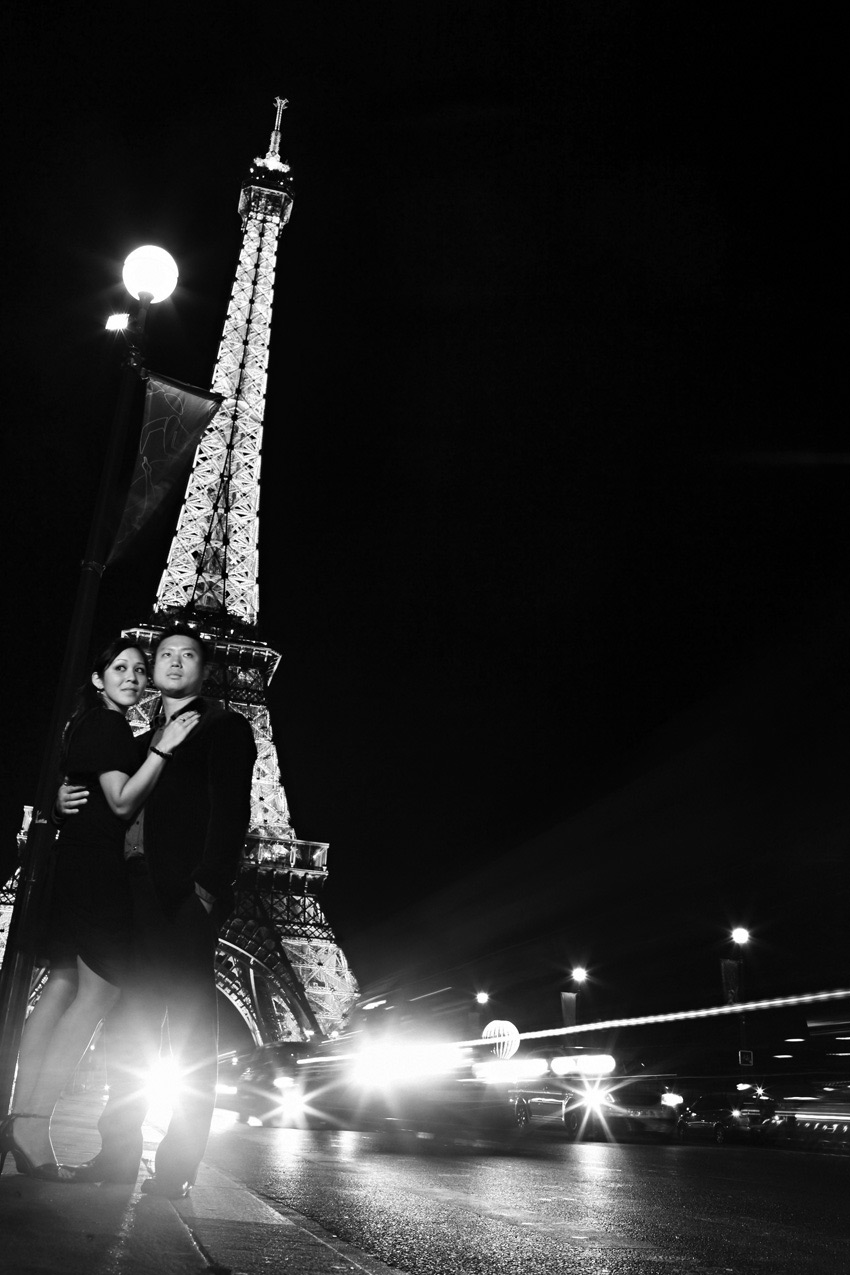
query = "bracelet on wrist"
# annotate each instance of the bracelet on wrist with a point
(160, 753)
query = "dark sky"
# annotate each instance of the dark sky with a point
(554, 527)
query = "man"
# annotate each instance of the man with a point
(183, 854)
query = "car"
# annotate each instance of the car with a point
(392, 1086)
(743, 1115)
(268, 1084)
(621, 1108)
(583, 1098)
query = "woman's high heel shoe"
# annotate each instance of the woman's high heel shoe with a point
(50, 1172)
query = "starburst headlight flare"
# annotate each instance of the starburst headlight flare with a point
(584, 1065)
(389, 1065)
(671, 1099)
(164, 1082)
(509, 1071)
(597, 1099)
(292, 1103)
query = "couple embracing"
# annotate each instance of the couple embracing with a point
(147, 856)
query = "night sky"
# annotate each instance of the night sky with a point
(554, 517)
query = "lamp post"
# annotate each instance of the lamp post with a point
(741, 937)
(569, 1000)
(150, 275)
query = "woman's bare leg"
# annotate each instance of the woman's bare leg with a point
(56, 996)
(69, 1040)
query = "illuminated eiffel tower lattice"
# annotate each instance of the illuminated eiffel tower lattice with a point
(278, 961)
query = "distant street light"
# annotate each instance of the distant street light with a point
(569, 1000)
(150, 275)
(741, 937)
(482, 998)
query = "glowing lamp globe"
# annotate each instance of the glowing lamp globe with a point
(505, 1037)
(151, 270)
(740, 935)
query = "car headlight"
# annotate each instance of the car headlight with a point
(378, 1068)
(509, 1071)
(283, 1082)
(598, 1099)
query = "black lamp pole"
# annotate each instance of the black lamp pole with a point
(20, 955)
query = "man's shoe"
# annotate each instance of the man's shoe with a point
(165, 1188)
(101, 1169)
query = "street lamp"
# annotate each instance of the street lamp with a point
(150, 275)
(150, 271)
(741, 937)
(569, 1000)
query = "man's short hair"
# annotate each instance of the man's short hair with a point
(183, 630)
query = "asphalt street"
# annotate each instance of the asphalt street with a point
(543, 1206)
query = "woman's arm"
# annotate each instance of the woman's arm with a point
(125, 793)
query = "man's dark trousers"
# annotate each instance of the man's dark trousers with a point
(175, 982)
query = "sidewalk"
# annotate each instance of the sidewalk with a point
(115, 1230)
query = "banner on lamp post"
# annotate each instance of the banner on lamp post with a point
(175, 417)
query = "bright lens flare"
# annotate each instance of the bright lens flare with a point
(164, 1083)
(597, 1099)
(584, 1065)
(509, 1071)
(390, 1065)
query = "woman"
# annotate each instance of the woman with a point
(89, 926)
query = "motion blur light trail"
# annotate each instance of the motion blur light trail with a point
(715, 1011)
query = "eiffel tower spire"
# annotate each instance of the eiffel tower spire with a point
(278, 960)
(213, 563)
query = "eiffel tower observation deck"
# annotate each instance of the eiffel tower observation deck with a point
(278, 961)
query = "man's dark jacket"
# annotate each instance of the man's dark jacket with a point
(197, 816)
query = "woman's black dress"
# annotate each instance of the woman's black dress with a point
(90, 912)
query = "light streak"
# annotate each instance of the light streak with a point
(679, 1016)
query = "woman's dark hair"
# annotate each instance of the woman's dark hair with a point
(88, 697)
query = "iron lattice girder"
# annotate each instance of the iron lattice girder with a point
(254, 989)
(213, 563)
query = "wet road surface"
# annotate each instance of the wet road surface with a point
(430, 1207)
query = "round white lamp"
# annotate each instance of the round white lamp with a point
(151, 271)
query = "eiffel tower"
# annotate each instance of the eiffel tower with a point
(277, 961)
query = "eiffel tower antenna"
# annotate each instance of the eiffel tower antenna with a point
(278, 961)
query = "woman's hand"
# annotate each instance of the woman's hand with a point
(177, 730)
(70, 799)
